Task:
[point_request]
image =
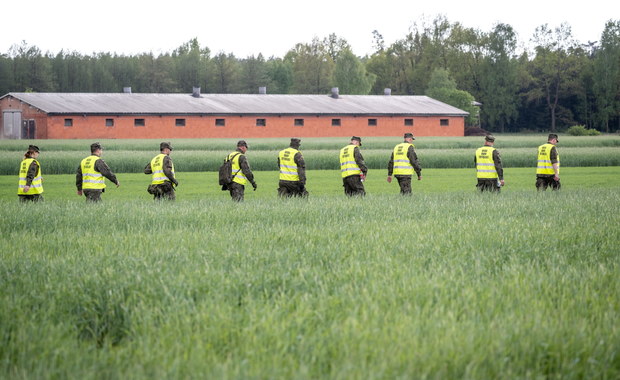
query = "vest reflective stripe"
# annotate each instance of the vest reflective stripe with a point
(288, 167)
(544, 160)
(236, 173)
(348, 166)
(402, 165)
(157, 166)
(91, 179)
(36, 187)
(485, 167)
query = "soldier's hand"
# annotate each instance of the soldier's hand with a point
(389, 179)
(26, 188)
(79, 192)
(419, 178)
(254, 185)
(118, 183)
(176, 183)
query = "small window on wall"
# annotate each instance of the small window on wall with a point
(109, 122)
(261, 122)
(444, 122)
(68, 122)
(409, 122)
(299, 122)
(220, 122)
(372, 122)
(335, 122)
(139, 123)
(179, 123)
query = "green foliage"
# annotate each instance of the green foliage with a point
(443, 88)
(350, 75)
(581, 130)
(320, 288)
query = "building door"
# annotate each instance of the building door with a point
(28, 129)
(11, 124)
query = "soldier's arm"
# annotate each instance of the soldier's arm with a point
(497, 160)
(301, 167)
(104, 169)
(147, 169)
(245, 169)
(32, 172)
(78, 178)
(391, 165)
(168, 169)
(553, 156)
(359, 160)
(413, 158)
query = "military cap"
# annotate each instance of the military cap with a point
(33, 148)
(489, 138)
(295, 142)
(357, 138)
(409, 135)
(164, 145)
(242, 143)
(94, 146)
(553, 136)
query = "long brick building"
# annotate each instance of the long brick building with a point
(132, 115)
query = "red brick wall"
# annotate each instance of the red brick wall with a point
(94, 127)
(28, 113)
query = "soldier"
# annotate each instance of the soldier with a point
(352, 168)
(89, 177)
(489, 169)
(30, 186)
(548, 168)
(163, 181)
(403, 162)
(241, 172)
(292, 171)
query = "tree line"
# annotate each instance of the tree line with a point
(554, 85)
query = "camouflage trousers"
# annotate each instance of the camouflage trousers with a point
(93, 195)
(236, 191)
(292, 189)
(30, 198)
(543, 182)
(162, 191)
(353, 185)
(488, 184)
(404, 181)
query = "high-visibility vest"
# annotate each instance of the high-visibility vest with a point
(402, 165)
(544, 160)
(288, 167)
(237, 174)
(485, 167)
(348, 166)
(36, 187)
(91, 179)
(157, 167)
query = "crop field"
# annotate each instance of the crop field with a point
(448, 283)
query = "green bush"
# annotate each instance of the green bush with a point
(581, 130)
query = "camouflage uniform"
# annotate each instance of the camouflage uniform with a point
(294, 188)
(94, 195)
(166, 190)
(404, 181)
(32, 172)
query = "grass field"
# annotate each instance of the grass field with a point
(448, 283)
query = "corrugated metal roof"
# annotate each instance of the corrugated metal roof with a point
(237, 104)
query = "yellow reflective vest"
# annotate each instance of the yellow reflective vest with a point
(485, 167)
(544, 160)
(288, 167)
(91, 179)
(237, 174)
(402, 165)
(36, 187)
(157, 167)
(348, 166)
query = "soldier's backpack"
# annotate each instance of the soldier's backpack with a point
(225, 172)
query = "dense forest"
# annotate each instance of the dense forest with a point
(553, 84)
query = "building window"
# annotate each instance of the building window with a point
(372, 122)
(109, 122)
(299, 122)
(261, 122)
(179, 123)
(220, 122)
(335, 122)
(68, 122)
(444, 122)
(139, 123)
(409, 122)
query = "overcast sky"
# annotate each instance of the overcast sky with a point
(272, 27)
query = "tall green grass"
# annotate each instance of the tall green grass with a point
(441, 285)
